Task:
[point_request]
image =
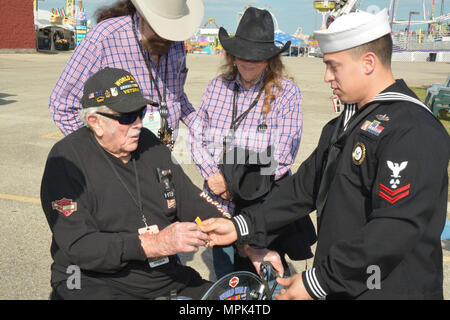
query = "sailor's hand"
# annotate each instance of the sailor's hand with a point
(258, 256)
(295, 291)
(221, 231)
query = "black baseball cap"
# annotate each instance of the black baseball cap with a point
(115, 88)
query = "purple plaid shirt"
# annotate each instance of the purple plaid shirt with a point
(112, 43)
(212, 121)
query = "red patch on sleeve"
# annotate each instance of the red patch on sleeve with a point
(65, 206)
(392, 196)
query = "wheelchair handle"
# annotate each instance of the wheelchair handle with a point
(268, 274)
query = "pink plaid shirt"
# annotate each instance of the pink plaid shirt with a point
(112, 43)
(212, 121)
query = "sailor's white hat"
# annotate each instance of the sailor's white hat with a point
(352, 30)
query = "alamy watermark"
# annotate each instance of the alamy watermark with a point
(73, 282)
(374, 280)
(208, 148)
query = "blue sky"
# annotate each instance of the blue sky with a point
(290, 14)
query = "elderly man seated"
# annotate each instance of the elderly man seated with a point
(118, 207)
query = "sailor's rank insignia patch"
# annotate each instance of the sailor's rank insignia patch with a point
(397, 189)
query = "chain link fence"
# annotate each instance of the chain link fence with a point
(421, 48)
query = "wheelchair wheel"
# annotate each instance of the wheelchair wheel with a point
(241, 285)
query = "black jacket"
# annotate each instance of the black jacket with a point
(250, 178)
(384, 207)
(94, 220)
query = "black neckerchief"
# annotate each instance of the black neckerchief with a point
(337, 144)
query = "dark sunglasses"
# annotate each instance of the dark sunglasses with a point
(125, 118)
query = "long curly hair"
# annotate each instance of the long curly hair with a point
(272, 79)
(117, 9)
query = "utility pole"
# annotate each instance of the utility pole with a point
(424, 10)
(36, 12)
(409, 23)
(393, 13)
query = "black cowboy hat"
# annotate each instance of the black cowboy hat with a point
(254, 39)
(250, 177)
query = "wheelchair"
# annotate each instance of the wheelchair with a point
(240, 285)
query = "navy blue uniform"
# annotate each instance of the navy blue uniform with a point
(379, 184)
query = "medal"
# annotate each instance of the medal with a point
(163, 111)
(262, 127)
(359, 153)
(165, 135)
(199, 222)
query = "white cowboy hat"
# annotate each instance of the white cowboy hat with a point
(175, 20)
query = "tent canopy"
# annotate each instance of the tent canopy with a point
(284, 37)
(42, 20)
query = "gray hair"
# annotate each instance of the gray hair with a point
(84, 112)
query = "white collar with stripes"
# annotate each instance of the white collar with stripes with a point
(395, 96)
(350, 109)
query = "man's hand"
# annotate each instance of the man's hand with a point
(217, 183)
(257, 256)
(226, 195)
(177, 237)
(296, 290)
(221, 231)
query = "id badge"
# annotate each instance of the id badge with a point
(152, 121)
(157, 261)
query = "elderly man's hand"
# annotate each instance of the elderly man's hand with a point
(221, 231)
(296, 290)
(177, 237)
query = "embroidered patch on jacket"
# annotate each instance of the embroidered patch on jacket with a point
(395, 191)
(65, 206)
(372, 127)
(171, 204)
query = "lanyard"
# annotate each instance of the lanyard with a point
(137, 201)
(165, 133)
(236, 121)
